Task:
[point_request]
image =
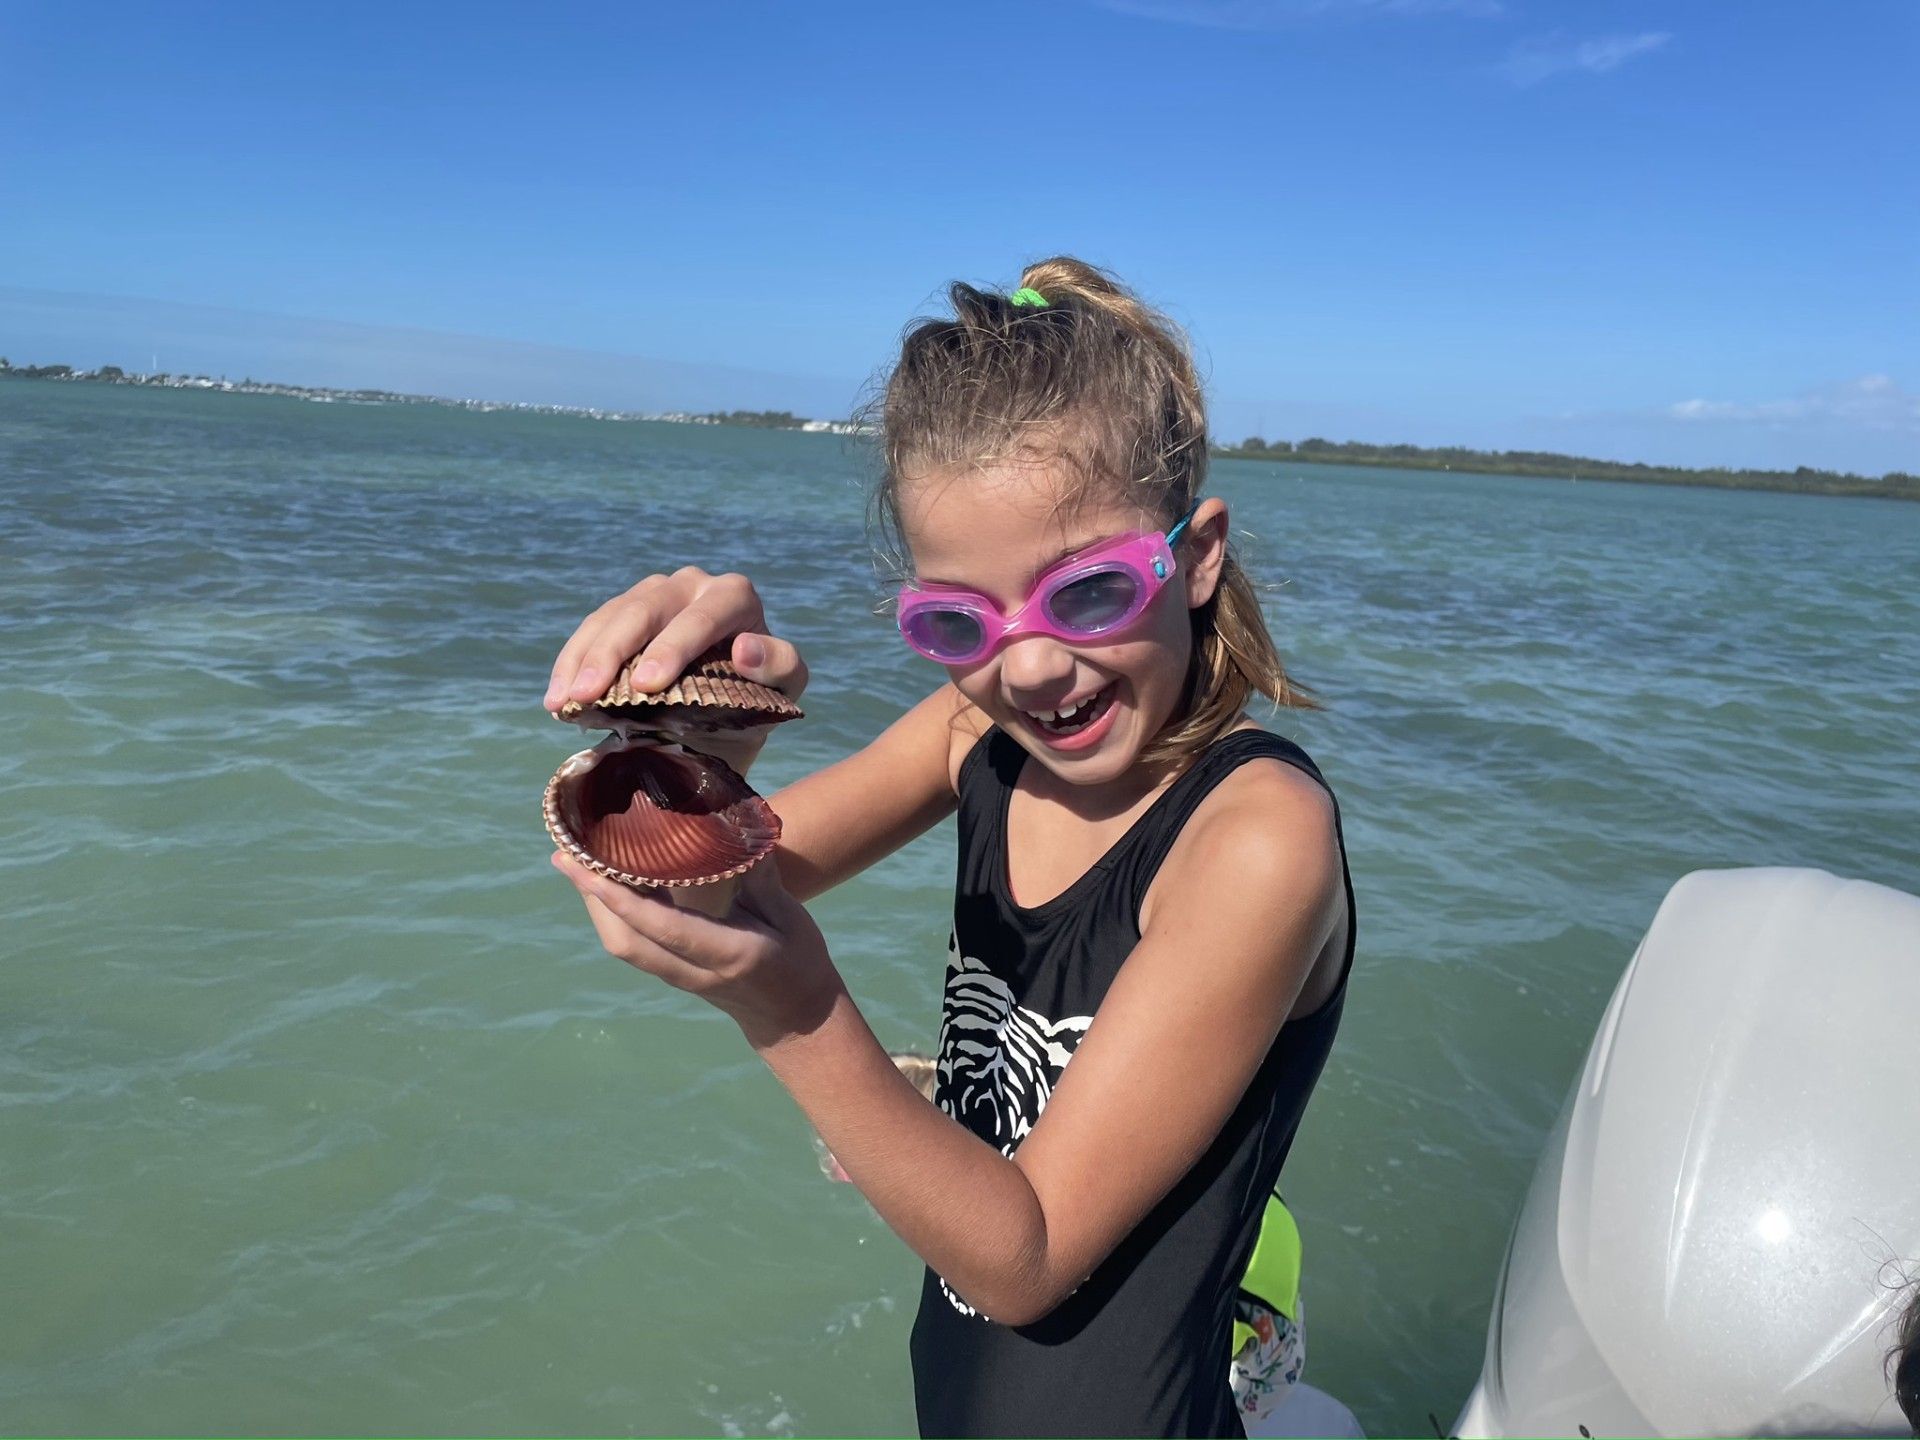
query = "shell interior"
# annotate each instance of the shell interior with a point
(649, 813)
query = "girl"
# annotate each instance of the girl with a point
(1153, 925)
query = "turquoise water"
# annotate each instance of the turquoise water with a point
(320, 1109)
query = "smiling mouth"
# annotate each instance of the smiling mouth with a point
(1074, 717)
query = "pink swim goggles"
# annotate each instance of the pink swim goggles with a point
(1090, 596)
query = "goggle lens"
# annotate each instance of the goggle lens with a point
(1094, 602)
(947, 634)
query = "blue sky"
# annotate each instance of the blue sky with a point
(1685, 233)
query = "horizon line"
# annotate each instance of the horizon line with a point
(1265, 453)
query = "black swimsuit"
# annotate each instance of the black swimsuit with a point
(1142, 1347)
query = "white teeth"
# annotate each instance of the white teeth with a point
(1054, 717)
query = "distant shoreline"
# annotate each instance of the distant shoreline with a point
(1895, 485)
(1543, 465)
(322, 394)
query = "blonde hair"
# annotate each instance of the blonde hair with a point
(1098, 382)
(920, 1069)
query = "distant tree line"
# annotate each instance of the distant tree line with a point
(755, 419)
(53, 372)
(1894, 485)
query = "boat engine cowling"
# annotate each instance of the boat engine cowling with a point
(1718, 1229)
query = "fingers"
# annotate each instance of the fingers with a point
(683, 947)
(621, 941)
(721, 606)
(596, 651)
(668, 621)
(567, 664)
(771, 661)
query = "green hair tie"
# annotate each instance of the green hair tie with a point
(1025, 296)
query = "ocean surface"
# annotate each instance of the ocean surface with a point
(321, 1109)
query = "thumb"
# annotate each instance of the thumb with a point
(771, 661)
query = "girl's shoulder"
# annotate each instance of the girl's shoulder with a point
(1271, 813)
(967, 726)
(1272, 801)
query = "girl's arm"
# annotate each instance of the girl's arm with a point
(1245, 907)
(836, 822)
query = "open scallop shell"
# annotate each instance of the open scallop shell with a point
(646, 807)
(652, 814)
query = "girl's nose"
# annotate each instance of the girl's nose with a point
(1035, 667)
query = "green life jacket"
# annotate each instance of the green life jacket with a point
(1273, 1274)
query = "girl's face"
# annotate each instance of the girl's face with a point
(996, 531)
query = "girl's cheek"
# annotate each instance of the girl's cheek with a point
(1158, 671)
(976, 684)
(1159, 661)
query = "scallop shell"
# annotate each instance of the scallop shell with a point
(711, 695)
(646, 811)
(651, 814)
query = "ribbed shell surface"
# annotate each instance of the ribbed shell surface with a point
(711, 695)
(658, 815)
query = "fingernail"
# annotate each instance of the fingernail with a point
(752, 652)
(552, 702)
(646, 673)
(588, 680)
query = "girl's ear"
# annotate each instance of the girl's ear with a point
(1204, 551)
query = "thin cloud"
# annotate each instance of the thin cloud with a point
(1283, 14)
(1873, 402)
(1545, 56)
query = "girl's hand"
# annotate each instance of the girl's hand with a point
(765, 964)
(669, 621)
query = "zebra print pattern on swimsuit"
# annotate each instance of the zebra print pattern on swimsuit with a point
(998, 1060)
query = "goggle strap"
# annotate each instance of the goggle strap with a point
(1173, 535)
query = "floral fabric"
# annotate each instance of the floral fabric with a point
(1267, 1366)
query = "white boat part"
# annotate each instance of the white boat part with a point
(1718, 1228)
